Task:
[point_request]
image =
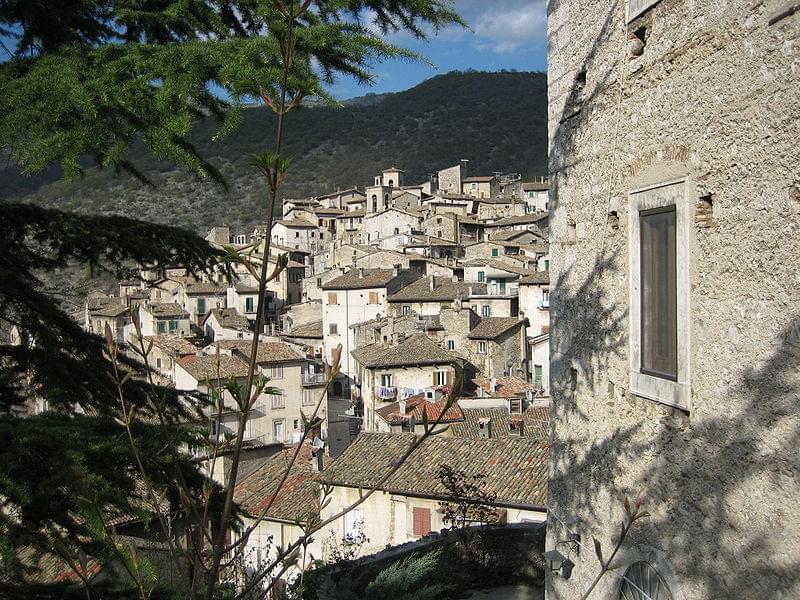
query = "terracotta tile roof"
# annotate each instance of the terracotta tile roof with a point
(268, 352)
(343, 192)
(204, 289)
(206, 367)
(491, 328)
(229, 318)
(359, 279)
(504, 236)
(535, 186)
(521, 219)
(111, 309)
(296, 498)
(536, 421)
(505, 387)
(301, 223)
(414, 406)
(479, 178)
(501, 265)
(328, 211)
(173, 344)
(166, 310)
(242, 288)
(444, 289)
(47, 568)
(417, 349)
(516, 469)
(306, 330)
(537, 278)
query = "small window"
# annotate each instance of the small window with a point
(406, 310)
(451, 344)
(641, 580)
(387, 380)
(333, 328)
(249, 304)
(495, 251)
(308, 398)
(537, 376)
(158, 363)
(332, 300)
(276, 372)
(481, 276)
(486, 310)
(373, 297)
(441, 377)
(421, 521)
(161, 327)
(297, 234)
(481, 347)
(201, 306)
(278, 401)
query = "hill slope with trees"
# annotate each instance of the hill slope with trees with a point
(496, 120)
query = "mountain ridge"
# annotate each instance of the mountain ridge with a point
(496, 120)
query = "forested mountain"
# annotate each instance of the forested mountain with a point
(496, 120)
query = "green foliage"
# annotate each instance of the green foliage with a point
(497, 120)
(408, 579)
(88, 77)
(72, 468)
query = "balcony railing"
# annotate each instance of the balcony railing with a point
(309, 378)
(495, 290)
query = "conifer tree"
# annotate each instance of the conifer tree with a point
(83, 80)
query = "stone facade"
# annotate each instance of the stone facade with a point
(703, 95)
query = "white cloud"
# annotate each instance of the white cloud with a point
(505, 26)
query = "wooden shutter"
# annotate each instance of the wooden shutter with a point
(449, 378)
(373, 297)
(435, 378)
(332, 299)
(422, 521)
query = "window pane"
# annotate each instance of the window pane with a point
(659, 294)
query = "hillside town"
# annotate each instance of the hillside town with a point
(422, 285)
(578, 385)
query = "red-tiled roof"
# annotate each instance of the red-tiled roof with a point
(416, 405)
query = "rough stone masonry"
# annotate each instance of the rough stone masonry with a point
(695, 104)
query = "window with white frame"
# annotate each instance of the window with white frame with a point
(276, 372)
(486, 310)
(451, 344)
(481, 347)
(659, 294)
(441, 377)
(278, 401)
(308, 398)
(387, 380)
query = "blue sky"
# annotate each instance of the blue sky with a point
(505, 34)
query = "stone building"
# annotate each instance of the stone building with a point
(675, 238)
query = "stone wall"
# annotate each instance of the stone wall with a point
(706, 93)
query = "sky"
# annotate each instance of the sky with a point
(502, 34)
(505, 34)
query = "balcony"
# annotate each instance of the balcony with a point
(496, 290)
(310, 378)
(385, 392)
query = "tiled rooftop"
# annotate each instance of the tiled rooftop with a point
(444, 289)
(417, 349)
(516, 469)
(491, 328)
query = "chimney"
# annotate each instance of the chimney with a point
(485, 428)
(396, 269)
(455, 278)
(432, 282)
(493, 385)
(361, 272)
(402, 404)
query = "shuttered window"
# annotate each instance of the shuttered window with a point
(422, 521)
(659, 302)
(373, 297)
(332, 299)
